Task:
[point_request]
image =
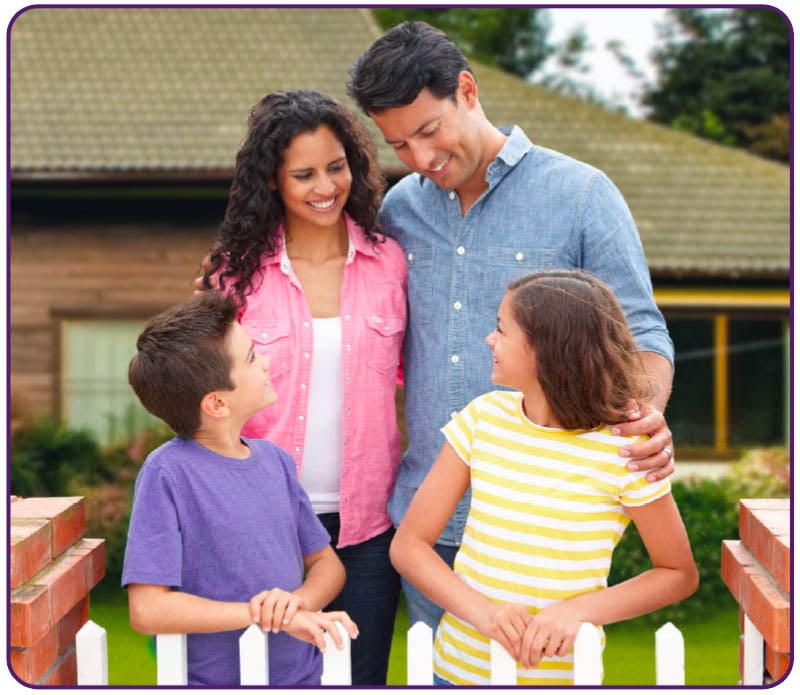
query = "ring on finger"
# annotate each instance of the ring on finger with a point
(667, 451)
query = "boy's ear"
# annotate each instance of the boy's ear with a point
(214, 405)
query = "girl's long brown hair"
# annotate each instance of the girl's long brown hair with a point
(587, 359)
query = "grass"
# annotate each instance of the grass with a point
(712, 651)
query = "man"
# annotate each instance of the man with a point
(485, 206)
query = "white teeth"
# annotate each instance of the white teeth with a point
(441, 166)
(323, 205)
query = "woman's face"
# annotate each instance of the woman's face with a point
(314, 179)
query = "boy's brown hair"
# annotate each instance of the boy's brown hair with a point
(181, 357)
(586, 357)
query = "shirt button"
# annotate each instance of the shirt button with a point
(301, 417)
(520, 256)
(347, 411)
(410, 256)
(265, 335)
(347, 317)
(303, 386)
(297, 449)
(453, 414)
(457, 306)
(306, 324)
(454, 359)
(348, 378)
(347, 347)
(452, 195)
(460, 250)
(306, 355)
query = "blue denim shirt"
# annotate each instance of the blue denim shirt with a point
(542, 210)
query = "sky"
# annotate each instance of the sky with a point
(635, 28)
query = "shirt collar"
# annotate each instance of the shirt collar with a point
(356, 242)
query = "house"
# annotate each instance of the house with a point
(124, 123)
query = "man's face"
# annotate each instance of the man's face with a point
(437, 138)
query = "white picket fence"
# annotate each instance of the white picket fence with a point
(92, 657)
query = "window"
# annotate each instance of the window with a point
(95, 391)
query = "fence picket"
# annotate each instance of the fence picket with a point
(669, 656)
(171, 668)
(254, 657)
(336, 662)
(752, 654)
(91, 653)
(588, 656)
(419, 660)
(503, 668)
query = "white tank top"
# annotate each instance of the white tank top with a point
(321, 470)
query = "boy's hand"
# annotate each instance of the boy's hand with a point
(199, 287)
(551, 632)
(506, 623)
(311, 626)
(274, 609)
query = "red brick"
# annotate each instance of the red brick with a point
(31, 548)
(64, 671)
(29, 615)
(760, 531)
(69, 625)
(769, 609)
(66, 580)
(30, 663)
(736, 564)
(68, 515)
(94, 550)
(776, 663)
(766, 503)
(782, 562)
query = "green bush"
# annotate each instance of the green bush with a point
(710, 511)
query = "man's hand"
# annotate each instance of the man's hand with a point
(199, 287)
(311, 626)
(656, 452)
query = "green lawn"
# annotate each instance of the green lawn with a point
(712, 650)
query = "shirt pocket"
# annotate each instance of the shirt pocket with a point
(419, 261)
(384, 342)
(507, 263)
(271, 338)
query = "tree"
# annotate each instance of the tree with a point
(725, 76)
(513, 39)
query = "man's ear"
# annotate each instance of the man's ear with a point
(467, 88)
(214, 405)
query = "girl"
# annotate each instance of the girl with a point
(324, 295)
(550, 495)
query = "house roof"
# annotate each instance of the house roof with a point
(143, 91)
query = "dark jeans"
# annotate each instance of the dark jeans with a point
(370, 598)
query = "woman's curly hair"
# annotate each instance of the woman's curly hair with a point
(248, 232)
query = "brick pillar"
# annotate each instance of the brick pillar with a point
(757, 570)
(53, 569)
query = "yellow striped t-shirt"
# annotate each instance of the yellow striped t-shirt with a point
(547, 511)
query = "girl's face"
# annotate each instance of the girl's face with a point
(314, 179)
(513, 358)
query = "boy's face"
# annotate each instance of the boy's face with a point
(252, 388)
(437, 138)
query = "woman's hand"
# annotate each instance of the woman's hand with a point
(311, 626)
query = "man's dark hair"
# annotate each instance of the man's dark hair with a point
(181, 356)
(408, 58)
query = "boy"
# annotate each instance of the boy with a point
(217, 518)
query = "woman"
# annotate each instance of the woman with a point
(324, 298)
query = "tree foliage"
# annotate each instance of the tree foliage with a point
(725, 76)
(513, 39)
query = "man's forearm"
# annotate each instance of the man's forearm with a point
(659, 370)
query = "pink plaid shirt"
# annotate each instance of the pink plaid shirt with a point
(373, 313)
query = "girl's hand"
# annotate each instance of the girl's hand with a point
(311, 626)
(551, 632)
(505, 623)
(274, 609)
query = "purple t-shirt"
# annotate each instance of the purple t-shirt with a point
(225, 529)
